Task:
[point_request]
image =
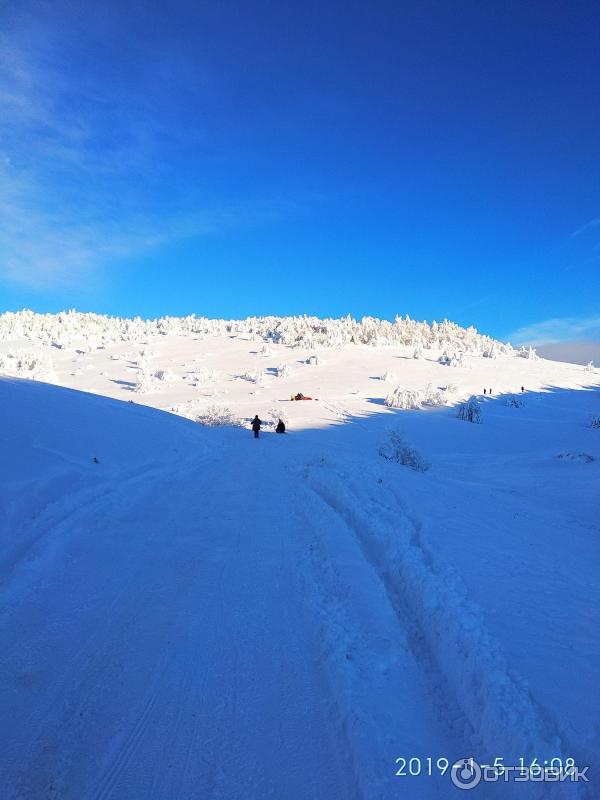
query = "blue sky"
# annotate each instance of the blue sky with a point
(233, 158)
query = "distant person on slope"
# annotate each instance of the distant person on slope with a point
(280, 427)
(256, 423)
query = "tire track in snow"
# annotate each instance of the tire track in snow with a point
(472, 673)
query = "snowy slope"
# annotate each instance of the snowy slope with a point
(200, 615)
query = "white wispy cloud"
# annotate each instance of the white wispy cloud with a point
(79, 174)
(592, 223)
(558, 329)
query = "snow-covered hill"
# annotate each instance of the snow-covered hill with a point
(190, 613)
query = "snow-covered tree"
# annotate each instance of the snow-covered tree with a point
(418, 351)
(528, 352)
(470, 411)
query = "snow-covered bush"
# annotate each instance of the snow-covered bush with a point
(470, 411)
(415, 398)
(252, 376)
(388, 377)
(313, 360)
(283, 371)
(512, 401)
(418, 351)
(35, 366)
(201, 376)
(275, 414)
(265, 350)
(396, 449)
(589, 367)
(403, 398)
(215, 415)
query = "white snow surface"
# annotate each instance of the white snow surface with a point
(188, 613)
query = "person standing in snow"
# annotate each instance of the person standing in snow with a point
(280, 427)
(256, 423)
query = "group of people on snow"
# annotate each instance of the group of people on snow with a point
(280, 427)
(256, 423)
(487, 391)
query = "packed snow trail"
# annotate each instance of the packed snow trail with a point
(202, 616)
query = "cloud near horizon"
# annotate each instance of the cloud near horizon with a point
(558, 329)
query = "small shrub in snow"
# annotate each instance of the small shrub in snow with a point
(201, 376)
(470, 411)
(265, 350)
(252, 376)
(283, 371)
(418, 352)
(164, 375)
(215, 415)
(595, 423)
(396, 449)
(584, 458)
(512, 401)
(313, 360)
(275, 414)
(589, 367)
(388, 377)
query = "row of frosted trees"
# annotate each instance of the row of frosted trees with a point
(94, 330)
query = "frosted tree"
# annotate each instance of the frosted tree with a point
(528, 352)
(470, 411)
